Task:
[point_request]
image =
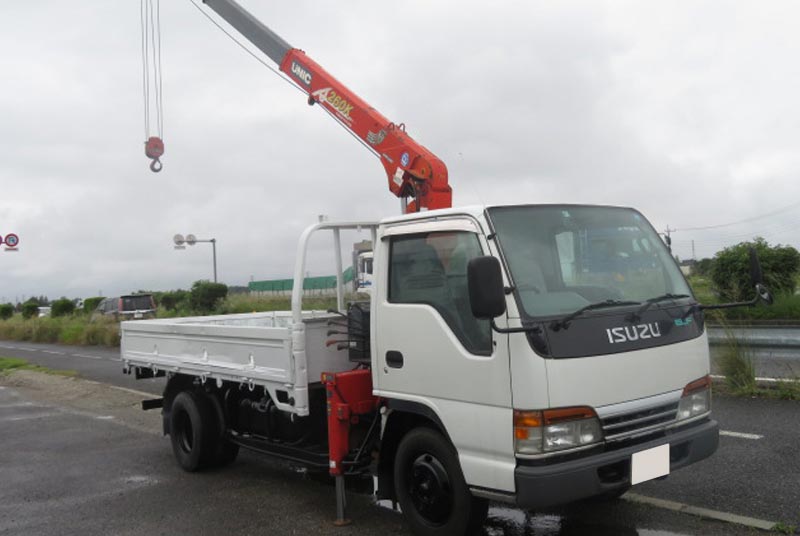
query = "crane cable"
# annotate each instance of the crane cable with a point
(282, 77)
(150, 16)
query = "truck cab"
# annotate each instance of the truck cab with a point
(594, 378)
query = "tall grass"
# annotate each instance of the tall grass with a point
(736, 362)
(79, 329)
(63, 330)
(247, 303)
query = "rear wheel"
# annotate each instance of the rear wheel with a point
(192, 431)
(431, 489)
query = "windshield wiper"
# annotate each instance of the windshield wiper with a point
(650, 302)
(563, 323)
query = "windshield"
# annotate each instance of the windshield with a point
(137, 303)
(564, 257)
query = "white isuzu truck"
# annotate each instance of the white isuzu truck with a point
(529, 354)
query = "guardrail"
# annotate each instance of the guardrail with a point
(761, 336)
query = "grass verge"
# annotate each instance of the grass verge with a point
(10, 364)
(787, 390)
(75, 329)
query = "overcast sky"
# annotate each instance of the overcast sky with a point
(685, 110)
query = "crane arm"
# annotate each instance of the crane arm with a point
(412, 170)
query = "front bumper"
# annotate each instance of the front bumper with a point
(607, 472)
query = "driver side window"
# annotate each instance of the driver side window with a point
(431, 268)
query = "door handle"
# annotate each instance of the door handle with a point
(394, 359)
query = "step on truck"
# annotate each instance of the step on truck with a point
(533, 355)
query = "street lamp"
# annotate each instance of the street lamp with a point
(192, 240)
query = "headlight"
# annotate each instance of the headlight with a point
(537, 432)
(696, 399)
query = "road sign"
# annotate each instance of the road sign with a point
(12, 240)
(178, 239)
(191, 239)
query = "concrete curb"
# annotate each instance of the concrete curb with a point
(706, 513)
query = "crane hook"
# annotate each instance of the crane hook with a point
(154, 149)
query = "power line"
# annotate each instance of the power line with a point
(704, 228)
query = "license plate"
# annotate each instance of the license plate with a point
(137, 315)
(649, 464)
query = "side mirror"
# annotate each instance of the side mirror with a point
(763, 294)
(485, 283)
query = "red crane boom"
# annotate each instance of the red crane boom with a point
(414, 173)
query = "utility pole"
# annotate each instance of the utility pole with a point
(214, 248)
(668, 237)
(694, 258)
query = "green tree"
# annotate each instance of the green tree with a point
(205, 295)
(6, 311)
(62, 307)
(90, 304)
(173, 299)
(730, 270)
(703, 267)
(30, 308)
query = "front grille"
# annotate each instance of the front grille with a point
(624, 425)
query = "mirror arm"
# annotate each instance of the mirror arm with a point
(701, 307)
(523, 329)
(729, 305)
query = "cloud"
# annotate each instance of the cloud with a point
(684, 111)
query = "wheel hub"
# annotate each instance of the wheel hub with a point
(185, 435)
(430, 490)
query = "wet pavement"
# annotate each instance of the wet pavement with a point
(73, 461)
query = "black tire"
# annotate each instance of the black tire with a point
(430, 487)
(193, 431)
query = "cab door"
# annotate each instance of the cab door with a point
(433, 352)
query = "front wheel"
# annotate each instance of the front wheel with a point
(431, 489)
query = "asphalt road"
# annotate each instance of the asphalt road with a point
(90, 472)
(755, 472)
(92, 362)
